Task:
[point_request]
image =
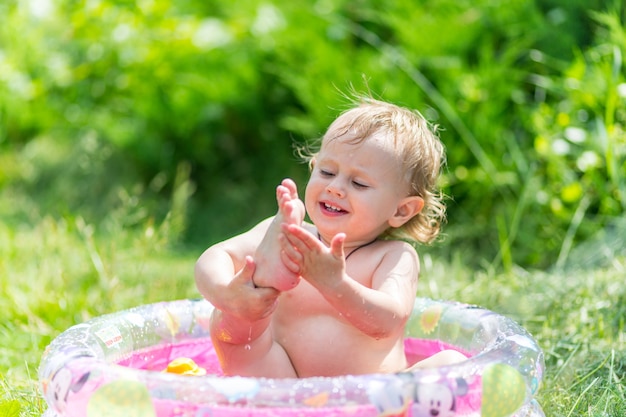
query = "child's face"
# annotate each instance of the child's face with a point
(355, 189)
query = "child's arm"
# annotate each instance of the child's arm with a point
(240, 324)
(380, 311)
(223, 276)
(247, 348)
(244, 311)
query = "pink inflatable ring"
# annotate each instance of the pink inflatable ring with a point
(113, 366)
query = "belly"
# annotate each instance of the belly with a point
(320, 342)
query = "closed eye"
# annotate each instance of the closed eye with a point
(359, 184)
(325, 173)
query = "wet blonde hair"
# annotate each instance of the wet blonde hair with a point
(416, 144)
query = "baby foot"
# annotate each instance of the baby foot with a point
(270, 270)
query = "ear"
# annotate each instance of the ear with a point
(407, 208)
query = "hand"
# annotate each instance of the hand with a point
(245, 300)
(304, 254)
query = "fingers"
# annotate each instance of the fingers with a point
(295, 243)
(290, 257)
(245, 299)
(300, 238)
(259, 301)
(247, 271)
(336, 245)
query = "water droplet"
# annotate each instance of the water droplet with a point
(247, 346)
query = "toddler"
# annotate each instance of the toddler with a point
(332, 297)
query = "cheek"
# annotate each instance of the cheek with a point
(310, 195)
(380, 208)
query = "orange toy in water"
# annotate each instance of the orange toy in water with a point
(184, 366)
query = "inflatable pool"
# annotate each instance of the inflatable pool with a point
(115, 365)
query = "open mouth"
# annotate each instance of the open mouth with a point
(331, 208)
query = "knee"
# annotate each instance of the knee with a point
(443, 358)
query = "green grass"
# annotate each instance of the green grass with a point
(578, 317)
(100, 155)
(59, 271)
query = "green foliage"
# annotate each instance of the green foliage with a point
(530, 96)
(580, 144)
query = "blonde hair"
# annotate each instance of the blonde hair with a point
(416, 144)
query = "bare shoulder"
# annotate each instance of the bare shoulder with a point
(388, 251)
(397, 257)
(382, 259)
(391, 266)
(399, 245)
(398, 248)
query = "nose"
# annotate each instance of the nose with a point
(335, 187)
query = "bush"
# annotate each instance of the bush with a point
(530, 95)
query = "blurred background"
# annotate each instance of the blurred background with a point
(180, 118)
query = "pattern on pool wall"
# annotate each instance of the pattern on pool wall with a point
(111, 366)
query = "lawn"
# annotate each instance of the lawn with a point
(59, 271)
(135, 134)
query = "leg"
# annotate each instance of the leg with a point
(257, 356)
(443, 358)
(270, 270)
